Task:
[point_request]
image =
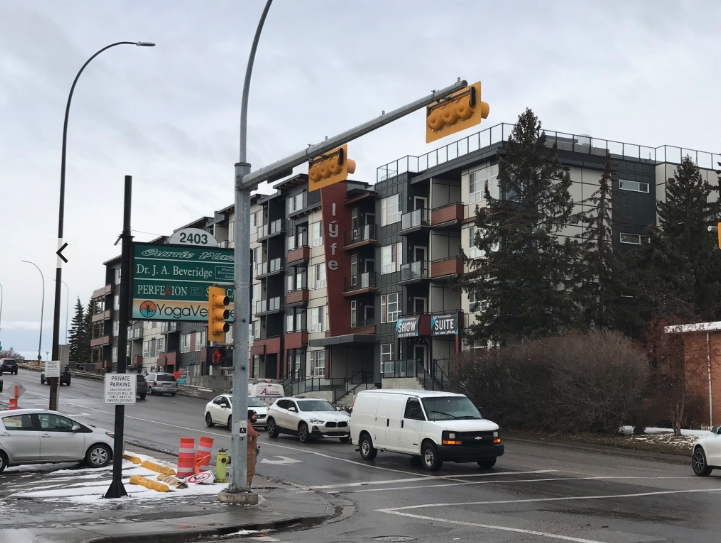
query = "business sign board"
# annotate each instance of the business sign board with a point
(120, 388)
(443, 324)
(52, 368)
(407, 326)
(170, 282)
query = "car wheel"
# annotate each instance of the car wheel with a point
(272, 429)
(209, 420)
(699, 464)
(42, 380)
(230, 422)
(3, 461)
(98, 456)
(430, 458)
(345, 439)
(367, 451)
(487, 463)
(303, 435)
(142, 396)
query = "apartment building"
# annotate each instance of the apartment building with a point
(352, 283)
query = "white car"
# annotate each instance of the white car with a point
(220, 411)
(307, 418)
(37, 436)
(707, 452)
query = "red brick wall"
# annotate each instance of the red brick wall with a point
(446, 214)
(296, 297)
(336, 218)
(303, 253)
(446, 267)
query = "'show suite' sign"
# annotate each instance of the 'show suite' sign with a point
(407, 326)
(444, 324)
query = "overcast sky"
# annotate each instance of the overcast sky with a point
(643, 72)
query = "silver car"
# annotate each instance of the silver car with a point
(37, 436)
(161, 383)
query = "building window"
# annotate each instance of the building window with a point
(146, 349)
(316, 276)
(317, 362)
(256, 366)
(387, 357)
(319, 319)
(185, 343)
(391, 257)
(354, 313)
(474, 304)
(635, 186)
(116, 328)
(116, 302)
(296, 203)
(257, 291)
(257, 255)
(633, 239)
(390, 307)
(231, 230)
(256, 330)
(161, 345)
(316, 234)
(198, 340)
(390, 210)
(473, 251)
(118, 274)
(115, 354)
(475, 187)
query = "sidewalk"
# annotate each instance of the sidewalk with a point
(65, 505)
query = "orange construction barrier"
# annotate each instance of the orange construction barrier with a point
(186, 457)
(12, 403)
(205, 450)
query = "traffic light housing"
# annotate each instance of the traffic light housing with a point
(218, 314)
(330, 168)
(457, 112)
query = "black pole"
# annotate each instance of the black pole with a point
(117, 490)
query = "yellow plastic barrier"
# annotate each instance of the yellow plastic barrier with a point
(152, 466)
(148, 483)
(132, 458)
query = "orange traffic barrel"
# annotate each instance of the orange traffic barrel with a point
(186, 457)
(205, 449)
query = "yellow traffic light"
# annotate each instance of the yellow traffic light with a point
(330, 168)
(218, 315)
(459, 111)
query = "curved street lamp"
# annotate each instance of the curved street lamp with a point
(61, 212)
(42, 307)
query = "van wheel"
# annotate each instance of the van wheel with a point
(429, 456)
(487, 463)
(367, 451)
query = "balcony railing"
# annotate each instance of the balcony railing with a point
(433, 378)
(269, 305)
(272, 266)
(361, 281)
(362, 323)
(271, 229)
(415, 271)
(167, 327)
(416, 219)
(296, 241)
(369, 232)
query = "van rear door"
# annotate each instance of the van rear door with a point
(388, 420)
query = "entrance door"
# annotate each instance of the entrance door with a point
(420, 305)
(420, 353)
(420, 202)
(369, 265)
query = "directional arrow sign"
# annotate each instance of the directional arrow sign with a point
(59, 252)
(283, 460)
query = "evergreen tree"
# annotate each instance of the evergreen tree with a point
(87, 333)
(520, 279)
(600, 283)
(683, 220)
(76, 332)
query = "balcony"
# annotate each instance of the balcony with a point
(100, 341)
(269, 345)
(446, 267)
(414, 272)
(104, 291)
(361, 236)
(363, 326)
(271, 267)
(297, 297)
(271, 229)
(448, 216)
(299, 254)
(296, 340)
(102, 316)
(271, 305)
(415, 221)
(360, 284)
(169, 327)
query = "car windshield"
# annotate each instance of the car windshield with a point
(254, 402)
(315, 405)
(165, 378)
(450, 408)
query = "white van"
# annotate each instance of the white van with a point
(434, 426)
(266, 391)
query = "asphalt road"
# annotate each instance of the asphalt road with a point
(537, 492)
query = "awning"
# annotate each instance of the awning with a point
(349, 339)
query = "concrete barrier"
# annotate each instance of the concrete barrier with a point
(149, 483)
(157, 468)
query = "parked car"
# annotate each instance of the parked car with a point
(307, 418)
(433, 426)
(63, 439)
(707, 453)
(65, 377)
(161, 383)
(8, 365)
(220, 411)
(141, 386)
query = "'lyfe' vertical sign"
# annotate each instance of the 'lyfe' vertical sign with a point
(336, 221)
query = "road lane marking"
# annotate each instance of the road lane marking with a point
(547, 480)
(493, 527)
(556, 499)
(392, 481)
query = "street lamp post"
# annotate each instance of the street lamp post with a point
(42, 306)
(61, 215)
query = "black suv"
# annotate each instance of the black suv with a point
(8, 365)
(141, 386)
(65, 377)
